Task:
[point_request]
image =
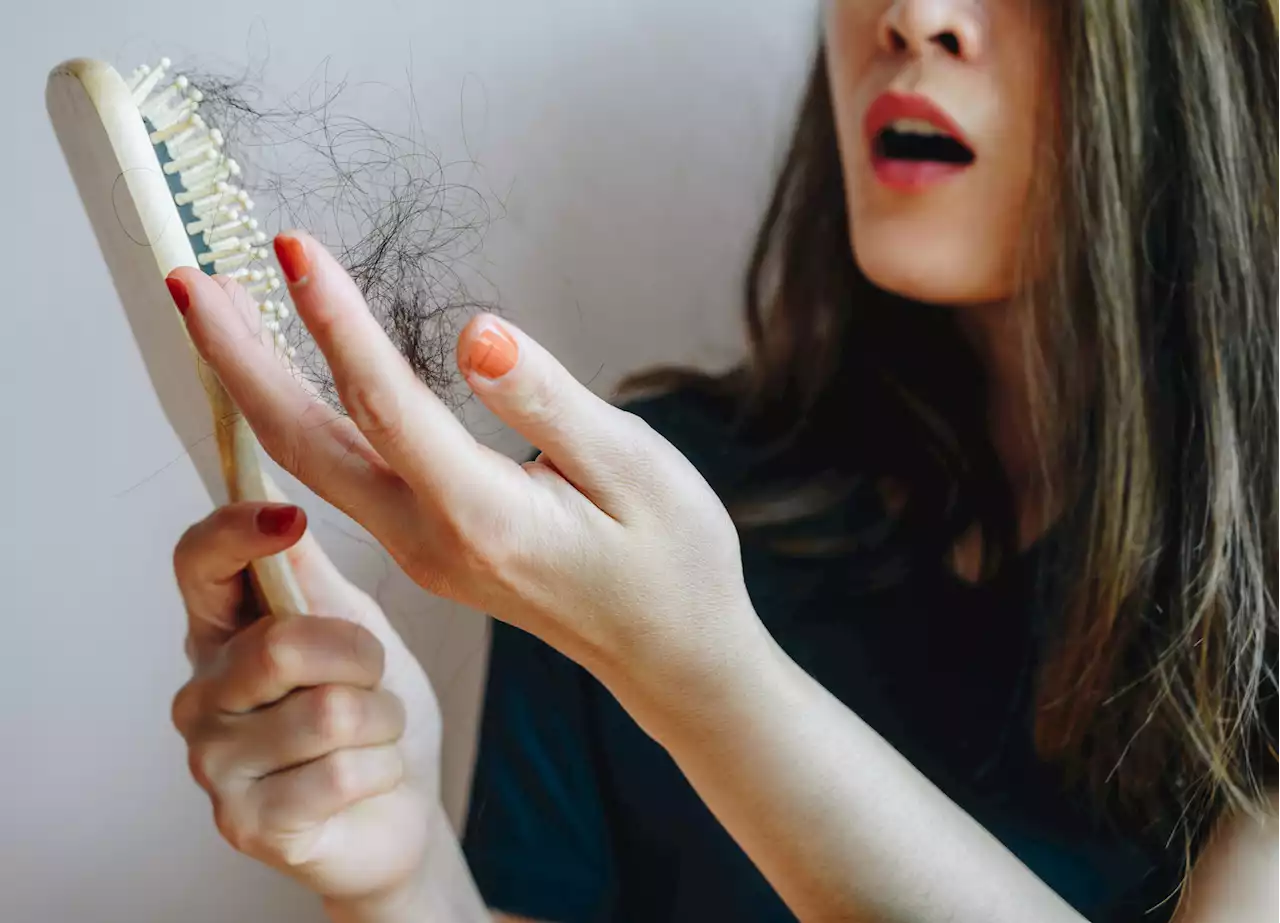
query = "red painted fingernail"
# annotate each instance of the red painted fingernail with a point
(493, 352)
(277, 520)
(178, 292)
(292, 257)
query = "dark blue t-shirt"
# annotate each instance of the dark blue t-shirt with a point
(577, 816)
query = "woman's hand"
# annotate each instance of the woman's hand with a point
(610, 547)
(316, 738)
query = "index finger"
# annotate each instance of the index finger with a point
(304, 435)
(408, 425)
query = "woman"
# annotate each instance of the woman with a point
(991, 632)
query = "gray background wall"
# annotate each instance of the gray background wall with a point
(632, 144)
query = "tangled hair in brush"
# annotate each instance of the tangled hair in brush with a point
(386, 204)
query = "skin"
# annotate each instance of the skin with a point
(317, 738)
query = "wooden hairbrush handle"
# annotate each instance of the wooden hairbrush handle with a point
(142, 238)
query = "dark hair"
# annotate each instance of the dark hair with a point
(1160, 181)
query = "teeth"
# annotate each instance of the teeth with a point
(916, 127)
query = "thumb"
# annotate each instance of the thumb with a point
(591, 442)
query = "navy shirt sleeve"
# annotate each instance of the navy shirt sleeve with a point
(536, 837)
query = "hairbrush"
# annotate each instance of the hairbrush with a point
(161, 192)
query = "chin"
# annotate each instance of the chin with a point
(945, 273)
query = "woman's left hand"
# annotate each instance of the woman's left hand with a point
(610, 546)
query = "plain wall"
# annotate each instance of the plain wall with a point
(630, 145)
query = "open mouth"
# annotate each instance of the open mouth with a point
(918, 141)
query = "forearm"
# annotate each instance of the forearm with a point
(442, 892)
(842, 825)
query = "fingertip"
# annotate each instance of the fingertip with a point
(487, 348)
(178, 292)
(278, 520)
(291, 254)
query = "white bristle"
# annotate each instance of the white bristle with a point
(208, 221)
(185, 110)
(204, 198)
(262, 287)
(183, 120)
(211, 172)
(225, 250)
(198, 145)
(222, 223)
(235, 260)
(148, 83)
(196, 131)
(290, 352)
(235, 225)
(166, 97)
(197, 192)
(195, 159)
(224, 194)
(232, 245)
(136, 77)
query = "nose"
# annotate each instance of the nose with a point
(953, 27)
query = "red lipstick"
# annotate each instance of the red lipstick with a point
(911, 175)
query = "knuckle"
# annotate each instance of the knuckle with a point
(201, 763)
(291, 851)
(279, 654)
(543, 402)
(190, 545)
(376, 410)
(233, 826)
(184, 711)
(342, 776)
(365, 648)
(182, 550)
(336, 714)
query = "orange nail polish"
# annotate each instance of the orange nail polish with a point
(292, 257)
(494, 352)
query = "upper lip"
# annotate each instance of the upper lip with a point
(889, 107)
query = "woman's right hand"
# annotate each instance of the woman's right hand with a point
(317, 738)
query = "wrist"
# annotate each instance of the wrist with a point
(419, 897)
(719, 683)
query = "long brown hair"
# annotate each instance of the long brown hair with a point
(1160, 679)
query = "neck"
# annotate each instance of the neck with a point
(1000, 334)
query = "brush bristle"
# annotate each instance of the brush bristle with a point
(202, 178)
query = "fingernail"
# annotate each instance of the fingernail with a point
(277, 520)
(178, 292)
(292, 257)
(493, 352)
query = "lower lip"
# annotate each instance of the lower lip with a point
(914, 175)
